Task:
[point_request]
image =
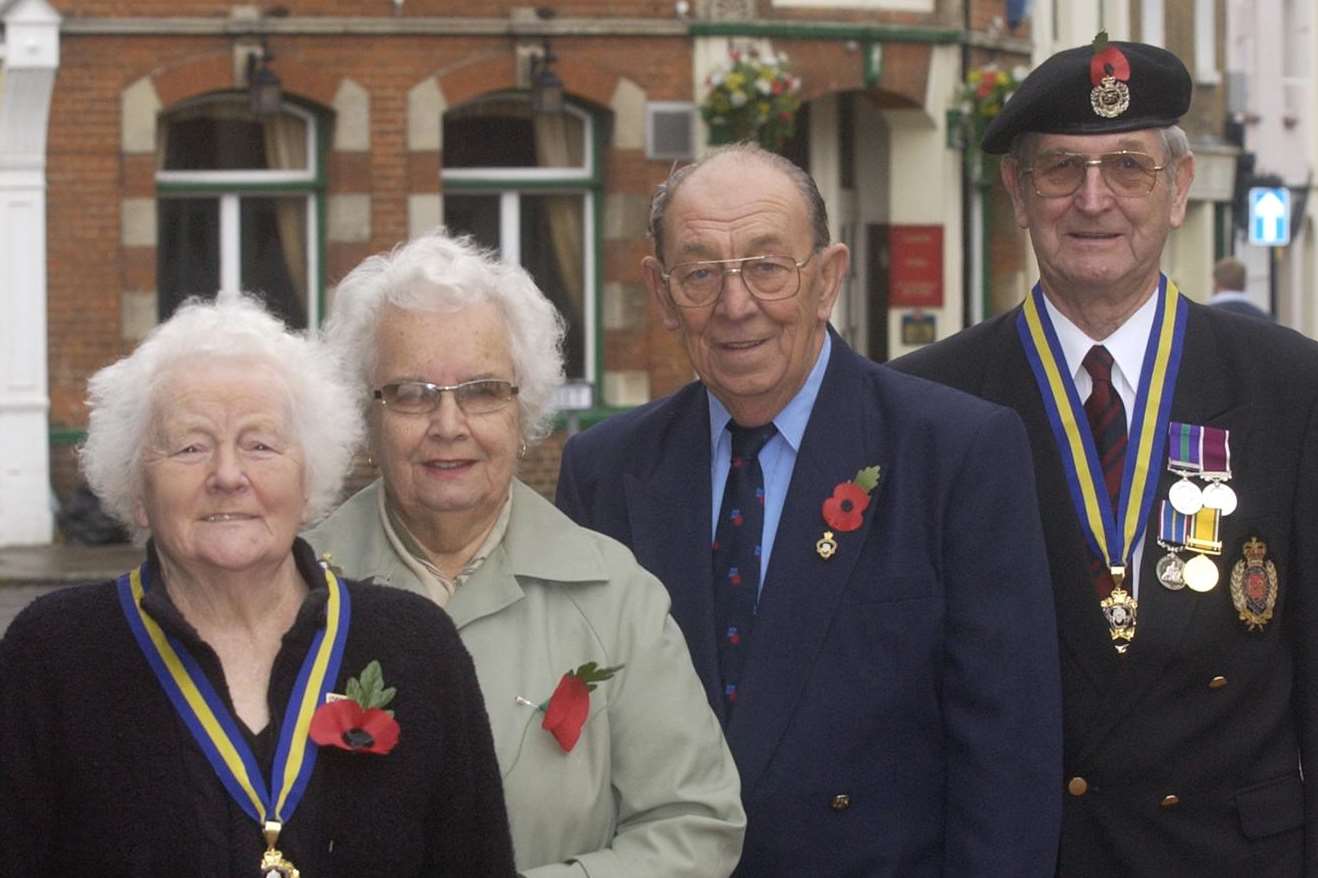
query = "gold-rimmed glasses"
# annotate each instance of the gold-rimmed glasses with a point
(1128, 174)
(479, 397)
(768, 278)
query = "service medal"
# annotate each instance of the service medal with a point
(1220, 496)
(1200, 573)
(1254, 585)
(1186, 497)
(1171, 571)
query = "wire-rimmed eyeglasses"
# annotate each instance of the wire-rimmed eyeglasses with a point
(1127, 173)
(479, 397)
(768, 278)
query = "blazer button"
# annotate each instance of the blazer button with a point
(1077, 786)
(1170, 801)
(841, 802)
(1217, 682)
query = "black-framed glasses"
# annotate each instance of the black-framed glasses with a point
(1128, 174)
(768, 278)
(479, 397)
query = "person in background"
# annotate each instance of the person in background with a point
(1176, 458)
(613, 765)
(1229, 289)
(182, 719)
(855, 556)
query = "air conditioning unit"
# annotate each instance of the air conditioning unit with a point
(670, 130)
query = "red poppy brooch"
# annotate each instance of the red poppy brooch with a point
(568, 708)
(845, 510)
(358, 721)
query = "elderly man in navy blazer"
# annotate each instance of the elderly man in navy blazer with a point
(854, 555)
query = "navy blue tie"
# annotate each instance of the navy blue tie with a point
(737, 555)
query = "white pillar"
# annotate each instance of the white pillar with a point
(31, 56)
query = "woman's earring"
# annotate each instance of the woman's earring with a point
(521, 452)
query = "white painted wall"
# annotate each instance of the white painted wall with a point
(31, 57)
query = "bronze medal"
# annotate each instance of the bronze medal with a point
(1254, 585)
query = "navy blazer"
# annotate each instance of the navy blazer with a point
(1190, 746)
(899, 714)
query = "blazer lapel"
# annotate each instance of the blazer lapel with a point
(1082, 629)
(802, 590)
(669, 514)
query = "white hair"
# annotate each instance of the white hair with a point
(437, 272)
(234, 326)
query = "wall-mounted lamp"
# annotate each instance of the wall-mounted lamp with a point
(265, 93)
(546, 87)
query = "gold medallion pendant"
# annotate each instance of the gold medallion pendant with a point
(1120, 608)
(273, 863)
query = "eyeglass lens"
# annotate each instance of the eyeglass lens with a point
(473, 397)
(1126, 173)
(767, 277)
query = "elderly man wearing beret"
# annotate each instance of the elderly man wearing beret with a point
(1176, 457)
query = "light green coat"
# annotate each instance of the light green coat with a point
(650, 788)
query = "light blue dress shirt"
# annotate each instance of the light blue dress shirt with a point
(777, 457)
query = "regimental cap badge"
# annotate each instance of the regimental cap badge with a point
(1254, 585)
(1109, 71)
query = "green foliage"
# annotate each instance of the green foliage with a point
(754, 98)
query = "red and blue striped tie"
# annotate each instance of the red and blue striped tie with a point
(1107, 423)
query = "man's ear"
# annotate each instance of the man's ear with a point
(834, 260)
(1011, 181)
(653, 273)
(1181, 189)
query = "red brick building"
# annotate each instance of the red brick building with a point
(399, 115)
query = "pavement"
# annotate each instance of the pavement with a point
(27, 572)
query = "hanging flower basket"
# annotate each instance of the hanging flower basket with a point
(985, 90)
(754, 98)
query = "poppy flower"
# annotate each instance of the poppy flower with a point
(567, 711)
(845, 510)
(347, 725)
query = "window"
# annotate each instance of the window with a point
(1205, 43)
(525, 184)
(238, 206)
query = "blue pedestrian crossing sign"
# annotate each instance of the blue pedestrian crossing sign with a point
(1269, 216)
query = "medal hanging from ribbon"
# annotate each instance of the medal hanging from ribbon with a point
(1204, 452)
(1112, 533)
(1198, 533)
(215, 729)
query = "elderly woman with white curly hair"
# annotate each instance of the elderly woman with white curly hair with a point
(613, 763)
(183, 719)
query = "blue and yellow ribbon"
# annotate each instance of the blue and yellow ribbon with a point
(1112, 534)
(214, 727)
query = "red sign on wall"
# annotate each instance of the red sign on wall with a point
(915, 276)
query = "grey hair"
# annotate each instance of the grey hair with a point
(816, 210)
(1174, 141)
(121, 398)
(439, 272)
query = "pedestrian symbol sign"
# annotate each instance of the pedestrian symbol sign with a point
(1269, 216)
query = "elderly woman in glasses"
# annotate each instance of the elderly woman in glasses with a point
(182, 720)
(613, 763)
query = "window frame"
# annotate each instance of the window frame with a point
(229, 187)
(587, 181)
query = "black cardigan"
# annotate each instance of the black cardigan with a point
(99, 776)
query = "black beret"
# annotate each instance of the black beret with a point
(1098, 89)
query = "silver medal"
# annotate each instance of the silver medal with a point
(1200, 573)
(1171, 571)
(1186, 497)
(1220, 496)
